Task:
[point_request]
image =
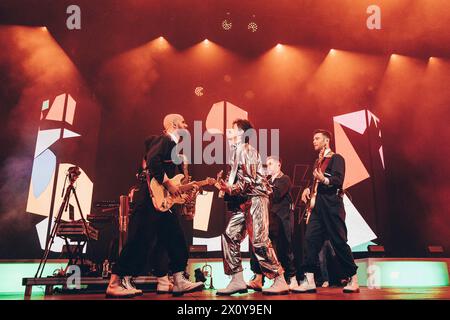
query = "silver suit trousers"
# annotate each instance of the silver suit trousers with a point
(252, 219)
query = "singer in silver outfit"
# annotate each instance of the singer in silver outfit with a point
(251, 217)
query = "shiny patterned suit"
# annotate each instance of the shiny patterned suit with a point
(250, 217)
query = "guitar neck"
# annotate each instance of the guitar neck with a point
(189, 185)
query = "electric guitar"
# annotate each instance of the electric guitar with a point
(163, 200)
(233, 200)
(311, 202)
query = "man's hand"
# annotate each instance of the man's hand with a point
(190, 196)
(173, 189)
(221, 185)
(306, 195)
(318, 174)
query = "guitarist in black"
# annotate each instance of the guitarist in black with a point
(327, 219)
(149, 226)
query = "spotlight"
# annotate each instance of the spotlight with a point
(252, 26)
(198, 91)
(332, 51)
(226, 25)
(279, 46)
(206, 41)
(44, 28)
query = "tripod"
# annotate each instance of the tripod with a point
(73, 174)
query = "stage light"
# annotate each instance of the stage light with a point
(198, 91)
(279, 46)
(393, 56)
(44, 29)
(252, 26)
(332, 51)
(161, 38)
(206, 41)
(227, 25)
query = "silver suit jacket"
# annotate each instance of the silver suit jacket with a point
(246, 165)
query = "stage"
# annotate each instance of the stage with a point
(322, 294)
(273, 111)
(379, 279)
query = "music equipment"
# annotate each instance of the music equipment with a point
(163, 200)
(77, 231)
(311, 202)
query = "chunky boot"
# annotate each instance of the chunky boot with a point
(307, 285)
(183, 285)
(117, 289)
(129, 284)
(236, 285)
(352, 286)
(279, 286)
(256, 283)
(294, 283)
(164, 285)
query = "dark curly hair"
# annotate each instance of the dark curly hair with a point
(246, 126)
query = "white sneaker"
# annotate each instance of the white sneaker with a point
(256, 283)
(236, 285)
(164, 285)
(279, 286)
(307, 285)
(352, 286)
(117, 289)
(325, 284)
(129, 284)
(293, 283)
(183, 285)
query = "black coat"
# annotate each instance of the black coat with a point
(158, 154)
(330, 195)
(281, 196)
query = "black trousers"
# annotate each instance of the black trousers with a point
(327, 221)
(281, 230)
(151, 232)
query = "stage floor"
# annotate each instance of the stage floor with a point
(442, 293)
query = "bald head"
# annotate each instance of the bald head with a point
(173, 122)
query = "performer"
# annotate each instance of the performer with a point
(281, 225)
(328, 217)
(250, 216)
(147, 225)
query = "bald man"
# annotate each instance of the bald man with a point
(149, 226)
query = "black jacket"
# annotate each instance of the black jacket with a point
(281, 196)
(335, 172)
(158, 155)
